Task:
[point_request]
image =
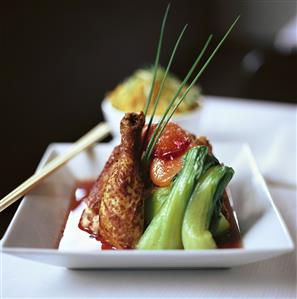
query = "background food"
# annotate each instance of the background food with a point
(131, 94)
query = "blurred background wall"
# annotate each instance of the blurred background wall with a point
(59, 58)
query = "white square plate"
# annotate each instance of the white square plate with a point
(35, 229)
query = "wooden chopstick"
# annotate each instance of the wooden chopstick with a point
(97, 133)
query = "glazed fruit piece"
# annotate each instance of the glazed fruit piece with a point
(173, 142)
(167, 156)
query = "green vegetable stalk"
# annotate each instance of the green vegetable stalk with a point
(203, 203)
(154, 201)
(222, 226)
(164, 231)
(158, 196)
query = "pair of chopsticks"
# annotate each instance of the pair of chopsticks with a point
(98, 133)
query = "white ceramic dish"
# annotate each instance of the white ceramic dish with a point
(113, 116)
(34, 230)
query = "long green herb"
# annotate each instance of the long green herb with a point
(163, 122)
(163, 81)
(157, 60)
(183, 83)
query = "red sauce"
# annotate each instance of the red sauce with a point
(82, 190)
(106, 246)
(230, 239)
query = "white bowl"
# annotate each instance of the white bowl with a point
(40, 218)
(113, 117)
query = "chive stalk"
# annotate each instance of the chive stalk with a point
(164, 122)
(183, 83)
(159, 47)
(164, 79)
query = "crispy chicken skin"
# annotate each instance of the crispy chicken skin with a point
(93, 200)
(121, 215)
(122, 165)
(89, 220)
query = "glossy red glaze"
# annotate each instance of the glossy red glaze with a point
(173, 142)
